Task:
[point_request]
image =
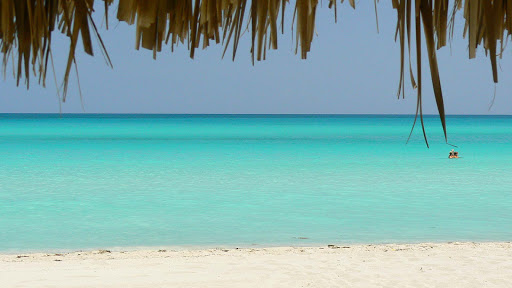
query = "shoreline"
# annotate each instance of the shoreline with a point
(453, 264)
(199, 247)
(254, 247)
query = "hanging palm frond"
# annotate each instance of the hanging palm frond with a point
(26, 29)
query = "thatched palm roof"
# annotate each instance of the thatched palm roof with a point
(26, 28)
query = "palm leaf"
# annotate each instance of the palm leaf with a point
(26, 29)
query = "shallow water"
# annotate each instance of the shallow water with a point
(82, 182)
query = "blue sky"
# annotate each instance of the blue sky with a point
(351, 69)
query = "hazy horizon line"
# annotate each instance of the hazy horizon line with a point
(244, 114)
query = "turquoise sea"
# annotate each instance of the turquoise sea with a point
(101, 181)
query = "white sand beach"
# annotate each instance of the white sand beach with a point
(394, 265)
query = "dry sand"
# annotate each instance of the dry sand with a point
(407, 265)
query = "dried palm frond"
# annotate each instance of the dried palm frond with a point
(487, 22)
(26, 28)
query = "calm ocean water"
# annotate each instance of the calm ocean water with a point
(83, 182)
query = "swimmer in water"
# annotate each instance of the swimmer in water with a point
(453, 154)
